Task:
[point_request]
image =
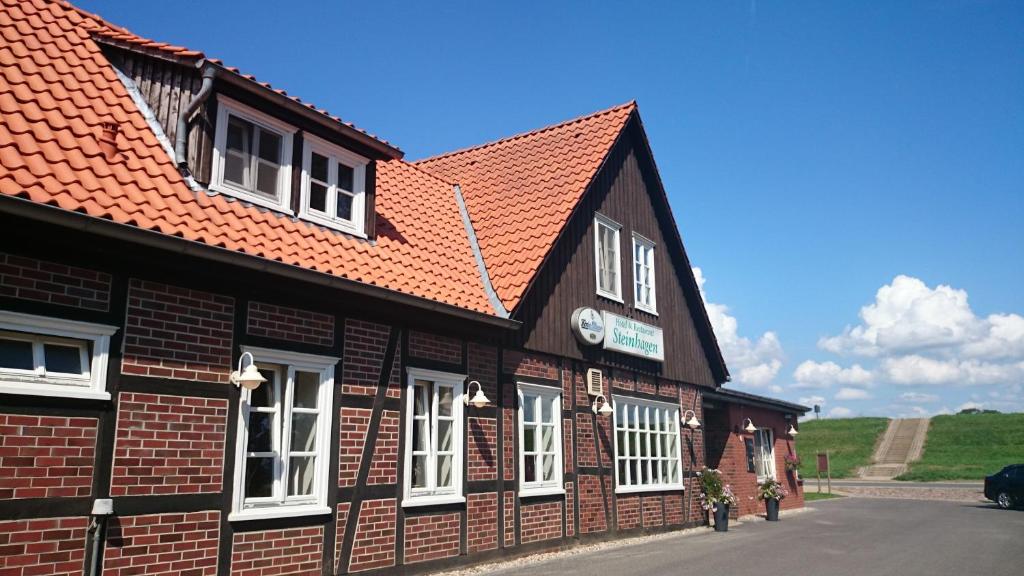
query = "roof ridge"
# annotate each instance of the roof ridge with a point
(630, 104)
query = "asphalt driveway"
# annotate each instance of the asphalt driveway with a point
(843, 537)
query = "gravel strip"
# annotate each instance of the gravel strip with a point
(533, 559)
(913, 493)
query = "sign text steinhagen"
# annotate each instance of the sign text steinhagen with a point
(631, 337)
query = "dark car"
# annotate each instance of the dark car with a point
(1006, 487)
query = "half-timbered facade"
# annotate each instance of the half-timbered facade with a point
(481, 354)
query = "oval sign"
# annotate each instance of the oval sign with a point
(588, 326)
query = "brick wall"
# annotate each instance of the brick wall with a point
(384, 466)
(431, 537)
(651, 511)
(352, 431)
(592, 508)
(293, 551)
(46, 456)
(42, 547)
(435, 347)
(482, 521)
(482, 437)
(168, 445)
(374, 542)
(31, 279)
(366, 344)
(509, 503)
(535, 365)
(339, 536)
(674, 507)
(162, 544)
(628, 511)
(570, 509)
(290, 324)
(174, 332)
(540, 521)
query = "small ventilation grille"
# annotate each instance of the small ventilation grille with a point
(595, 382)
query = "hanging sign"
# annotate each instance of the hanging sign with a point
(631, 337)
(588, 325)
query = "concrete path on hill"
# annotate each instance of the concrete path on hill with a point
(901, 444)
(842, 537)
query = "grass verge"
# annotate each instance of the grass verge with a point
(849, 441)
(968, 447)
(812, 496)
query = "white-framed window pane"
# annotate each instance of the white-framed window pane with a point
(444, 400)
(307, 388)
(261, 432)
(64, 358)
(434, 426)
(540, 447)
(238, 154)
(646, 444)
(344, 209)
(301, 475)
(259, 477)
(319, 182)
(419, 471)
(16, 354)
(303, 432)
(444, 471)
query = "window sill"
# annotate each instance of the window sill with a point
(340, 226)
(247, 196)
(546, 491)
(654, 488)
(414, 501)
(646, 310)
(278, 512)
(610, 296)
(53, 390)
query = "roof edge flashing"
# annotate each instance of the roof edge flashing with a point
(481, 266)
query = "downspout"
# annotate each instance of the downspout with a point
(181, 134)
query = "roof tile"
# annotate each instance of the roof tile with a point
(520, 191)
(48, 154)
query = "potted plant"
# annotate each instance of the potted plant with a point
(771, 491)
(716, 497)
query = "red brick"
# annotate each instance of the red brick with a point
(46, 457)
(293, 551)
(162, 544)
(431, 537)
(39, 280)
(435, 347)
(39, 547)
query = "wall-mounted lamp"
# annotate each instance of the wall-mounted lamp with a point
(250, 378)
(692, 423)
(605, 408)
(479, 399)
(749, 427)
(792, 430)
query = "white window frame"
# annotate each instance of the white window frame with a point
(334, 154)
(432, 495)
(541, 487)
(766, 457)
(228, 106)
(625, 485)
(648, 245)
(599, 221)
(91, 385)
(280, 505)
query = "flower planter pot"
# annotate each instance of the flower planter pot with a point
(721, 517)
(772, 507)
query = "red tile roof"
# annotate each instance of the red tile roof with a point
(57, 88)
(520, 191)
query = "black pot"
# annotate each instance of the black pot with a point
(773, 510)
(721, 517)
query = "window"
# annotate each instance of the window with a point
(333, 186)
(606, 248)
(540, 440)
(433, 432)
(643, 274)
(252, 156)
(44, 356)
(764, 454)
(284, 431)
(646, 446)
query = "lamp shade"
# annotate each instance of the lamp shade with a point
(479, 400)
(750, 428)
(693, 423)
(606, 409)
(250, 378)
(793, 431)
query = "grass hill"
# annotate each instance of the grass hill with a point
(850, 443)
(967, 447)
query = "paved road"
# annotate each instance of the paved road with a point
(843, 537)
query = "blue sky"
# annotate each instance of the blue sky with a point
(815, 153)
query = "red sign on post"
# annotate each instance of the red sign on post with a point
(823, 462)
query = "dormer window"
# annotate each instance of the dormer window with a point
(252, 156)
(333, 186)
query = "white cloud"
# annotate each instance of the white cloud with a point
(811, 374)
(852, 394)
(753, 363)
(918, 397)
(840, 412)
(908, 317)
(812, 400)
(916, 369)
